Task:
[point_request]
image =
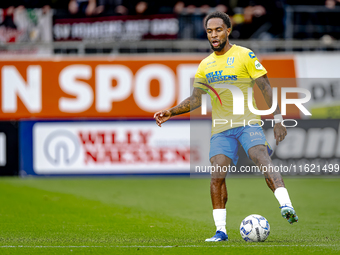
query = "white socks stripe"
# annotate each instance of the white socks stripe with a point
(220, 216)
(282, 196)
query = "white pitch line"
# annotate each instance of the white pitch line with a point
(168, 246)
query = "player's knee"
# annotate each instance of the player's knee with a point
(258, 152)
(220, 160)
(262, 150)
(215, 181)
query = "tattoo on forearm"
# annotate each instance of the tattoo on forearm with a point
(189, 104)
(183, 107)
(264, 85)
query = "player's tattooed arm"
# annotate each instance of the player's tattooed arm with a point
(264, 85)
(262, 82)
(189, 104)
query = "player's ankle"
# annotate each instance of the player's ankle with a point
(221, 228)
(282, 196)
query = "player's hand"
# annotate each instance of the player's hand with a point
(280, 133)
(162, 116)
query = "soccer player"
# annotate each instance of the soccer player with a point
(238, 66)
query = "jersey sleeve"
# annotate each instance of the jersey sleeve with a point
(253, 66)
(200, 77)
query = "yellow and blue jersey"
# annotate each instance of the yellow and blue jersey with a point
(239, 67)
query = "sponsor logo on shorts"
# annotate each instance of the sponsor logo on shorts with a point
(255, 133)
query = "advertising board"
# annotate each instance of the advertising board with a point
(104, 147)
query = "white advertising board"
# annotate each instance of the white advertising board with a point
(111, 147)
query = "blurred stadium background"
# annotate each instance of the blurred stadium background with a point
(81, 80)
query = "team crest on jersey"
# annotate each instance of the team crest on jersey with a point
(251, 54)
(230, 61)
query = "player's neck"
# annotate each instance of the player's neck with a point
(224, 50)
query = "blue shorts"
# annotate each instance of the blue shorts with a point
(226, 141)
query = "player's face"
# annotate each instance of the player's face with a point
(217, 33)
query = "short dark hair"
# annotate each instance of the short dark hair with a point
(225, 17)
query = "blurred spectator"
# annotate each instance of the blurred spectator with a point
(26, 21)
(178, 7)
(45, 5)
(258, 19)
(146, 7)
(330, 22)
(312, 23)
(331, 4)
(192, 7)
(31, 4)
(204, 7)
(111, 7)
(192, 15)
(171, 6)
(82, 7)
(8, 21)
(8, 10)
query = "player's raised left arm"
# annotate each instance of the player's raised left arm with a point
(262, 82)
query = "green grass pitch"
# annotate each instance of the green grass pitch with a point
(161, 216)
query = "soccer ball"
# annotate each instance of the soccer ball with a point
(254, 228)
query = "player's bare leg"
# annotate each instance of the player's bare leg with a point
(261, 158)
(259, 155)
(218, 189)
(219, 196)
